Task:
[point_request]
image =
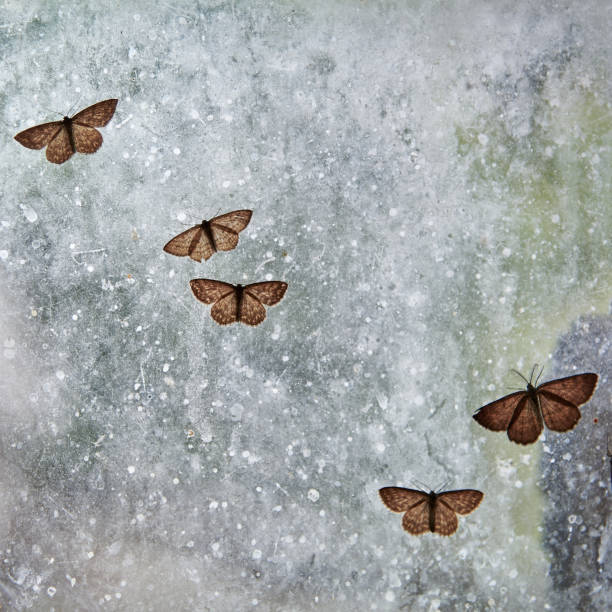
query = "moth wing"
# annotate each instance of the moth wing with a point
(576, 389)
(416, 519)
(40, 135)
(525, 426)
(60, 148)
(445, 519)
(98, 114)
(183, 243)
(462, 501)
(399, 499)
(497, 415)
(210, 291)
(268, 293)
(252, 311)
(225, 239)
(86, 139)
(558, 413)
(236, 220)
(225, 311)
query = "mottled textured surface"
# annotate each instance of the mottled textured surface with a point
(433, 182)
(578, 526)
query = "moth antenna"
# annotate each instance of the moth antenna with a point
(443, 486)
(193, 213)
(486, 477)
(189, 213)
(421, 485)
(54, 112)
(71, 109)
(517, 372)
(539, 375)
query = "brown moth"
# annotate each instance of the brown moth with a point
(554, 404)
(232, 303)
(72, 134)
(218, 234)
(435, 512)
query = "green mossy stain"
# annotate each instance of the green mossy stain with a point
(551, 245)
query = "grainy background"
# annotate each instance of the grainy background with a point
(433, 182)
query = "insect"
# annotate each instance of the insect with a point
(435, 512)
(218, 234)
(233, 303)
(524, 413)
(78, 133)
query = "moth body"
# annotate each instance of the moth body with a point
(239, 294)
(209, 234)
(432, 511)
(67, 121)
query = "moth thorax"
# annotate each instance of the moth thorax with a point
(67, 120)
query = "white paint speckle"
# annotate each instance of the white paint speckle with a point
(313, 495)
(29, 213)
(236, 411)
